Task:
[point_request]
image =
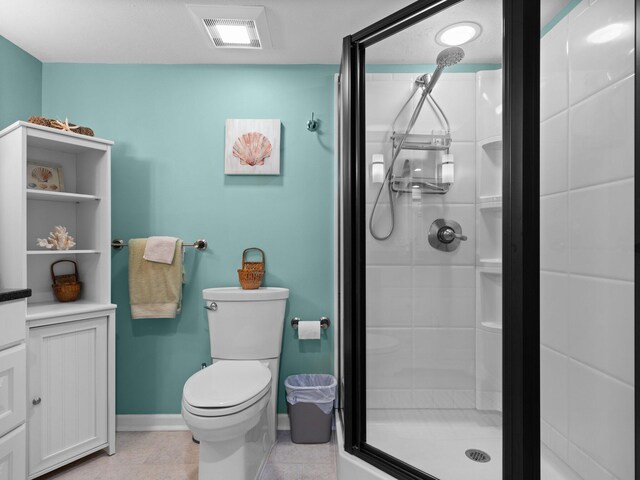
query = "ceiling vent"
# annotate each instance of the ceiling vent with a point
(230, 26)
(225, 33)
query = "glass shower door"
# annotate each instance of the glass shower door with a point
(433, 215)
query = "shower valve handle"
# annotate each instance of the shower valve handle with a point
(447, 235)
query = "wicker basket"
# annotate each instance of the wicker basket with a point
(251, 273)
(66, 288)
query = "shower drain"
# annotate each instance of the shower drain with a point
(477, 455)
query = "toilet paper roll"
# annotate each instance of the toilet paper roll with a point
(309, 330)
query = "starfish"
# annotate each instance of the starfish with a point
(63, 126)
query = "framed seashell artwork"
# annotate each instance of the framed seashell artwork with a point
(45, 177)
(252, 147)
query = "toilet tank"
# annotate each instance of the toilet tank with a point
(245, 324)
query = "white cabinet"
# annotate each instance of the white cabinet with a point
(12, 455)
(12, 387)
(67, 391)
(71, 346)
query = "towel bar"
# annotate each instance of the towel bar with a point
(198, 244)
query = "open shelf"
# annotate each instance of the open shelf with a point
(60, 196)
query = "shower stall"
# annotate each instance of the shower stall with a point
(486, 232)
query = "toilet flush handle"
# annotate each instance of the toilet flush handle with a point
(213, 306)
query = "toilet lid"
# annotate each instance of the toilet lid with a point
(226, 384)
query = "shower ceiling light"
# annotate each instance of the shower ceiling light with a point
(458, 33)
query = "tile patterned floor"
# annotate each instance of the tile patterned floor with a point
(173, 456)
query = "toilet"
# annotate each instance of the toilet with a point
(230, 406)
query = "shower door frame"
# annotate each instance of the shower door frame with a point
(521, 335)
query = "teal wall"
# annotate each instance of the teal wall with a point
(20, 84)
(167, 122)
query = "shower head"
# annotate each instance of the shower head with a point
(449, 56)
(446, 58)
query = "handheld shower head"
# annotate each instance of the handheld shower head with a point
(446, 58)
(449, 56)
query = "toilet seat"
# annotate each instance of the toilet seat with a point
(226, 387)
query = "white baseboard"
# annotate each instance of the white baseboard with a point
(168, 422)
(150, 423)
(283, 422)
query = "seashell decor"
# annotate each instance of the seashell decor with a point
(42, 174)
(58, 239)
(252, 148)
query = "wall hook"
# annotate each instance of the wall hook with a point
(312, 125)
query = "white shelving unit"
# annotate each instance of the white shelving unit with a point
(84, 207)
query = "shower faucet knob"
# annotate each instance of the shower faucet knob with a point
(448, 235)
(445, 235)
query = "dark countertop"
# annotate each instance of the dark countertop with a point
(7, 294)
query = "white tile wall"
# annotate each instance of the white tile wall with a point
(600, 413)
(389, 296)
(554, 311)
(421, 302)
(444, 358)
(601, 323)
(553, 233)
(601, 136)
(587, 272)
(601, 49)
(444, 296)
(601, 224)
(554, 151)
(489, 104)
(554, 395)
(554, 71)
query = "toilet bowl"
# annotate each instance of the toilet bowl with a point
(230, 406)
(226, 399)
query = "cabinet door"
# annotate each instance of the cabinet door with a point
(67, 365)
(13, 461)
(13, 387)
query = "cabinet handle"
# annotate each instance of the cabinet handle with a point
(36, 401)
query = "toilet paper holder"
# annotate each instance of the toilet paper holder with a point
(324, 322)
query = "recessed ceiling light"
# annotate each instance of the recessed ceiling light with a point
(458, 33)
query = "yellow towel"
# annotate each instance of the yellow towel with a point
(155, 289)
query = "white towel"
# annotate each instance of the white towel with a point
(160, 249)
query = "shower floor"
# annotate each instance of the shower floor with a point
(435, 441)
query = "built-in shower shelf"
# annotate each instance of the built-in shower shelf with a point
(492, 143)
(416, 141)
(495, 327)
(493, 262)
(490, 199)
(490, 206)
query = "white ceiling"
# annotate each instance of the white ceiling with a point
(302, 31)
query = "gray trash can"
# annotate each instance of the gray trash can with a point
(310, 399)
